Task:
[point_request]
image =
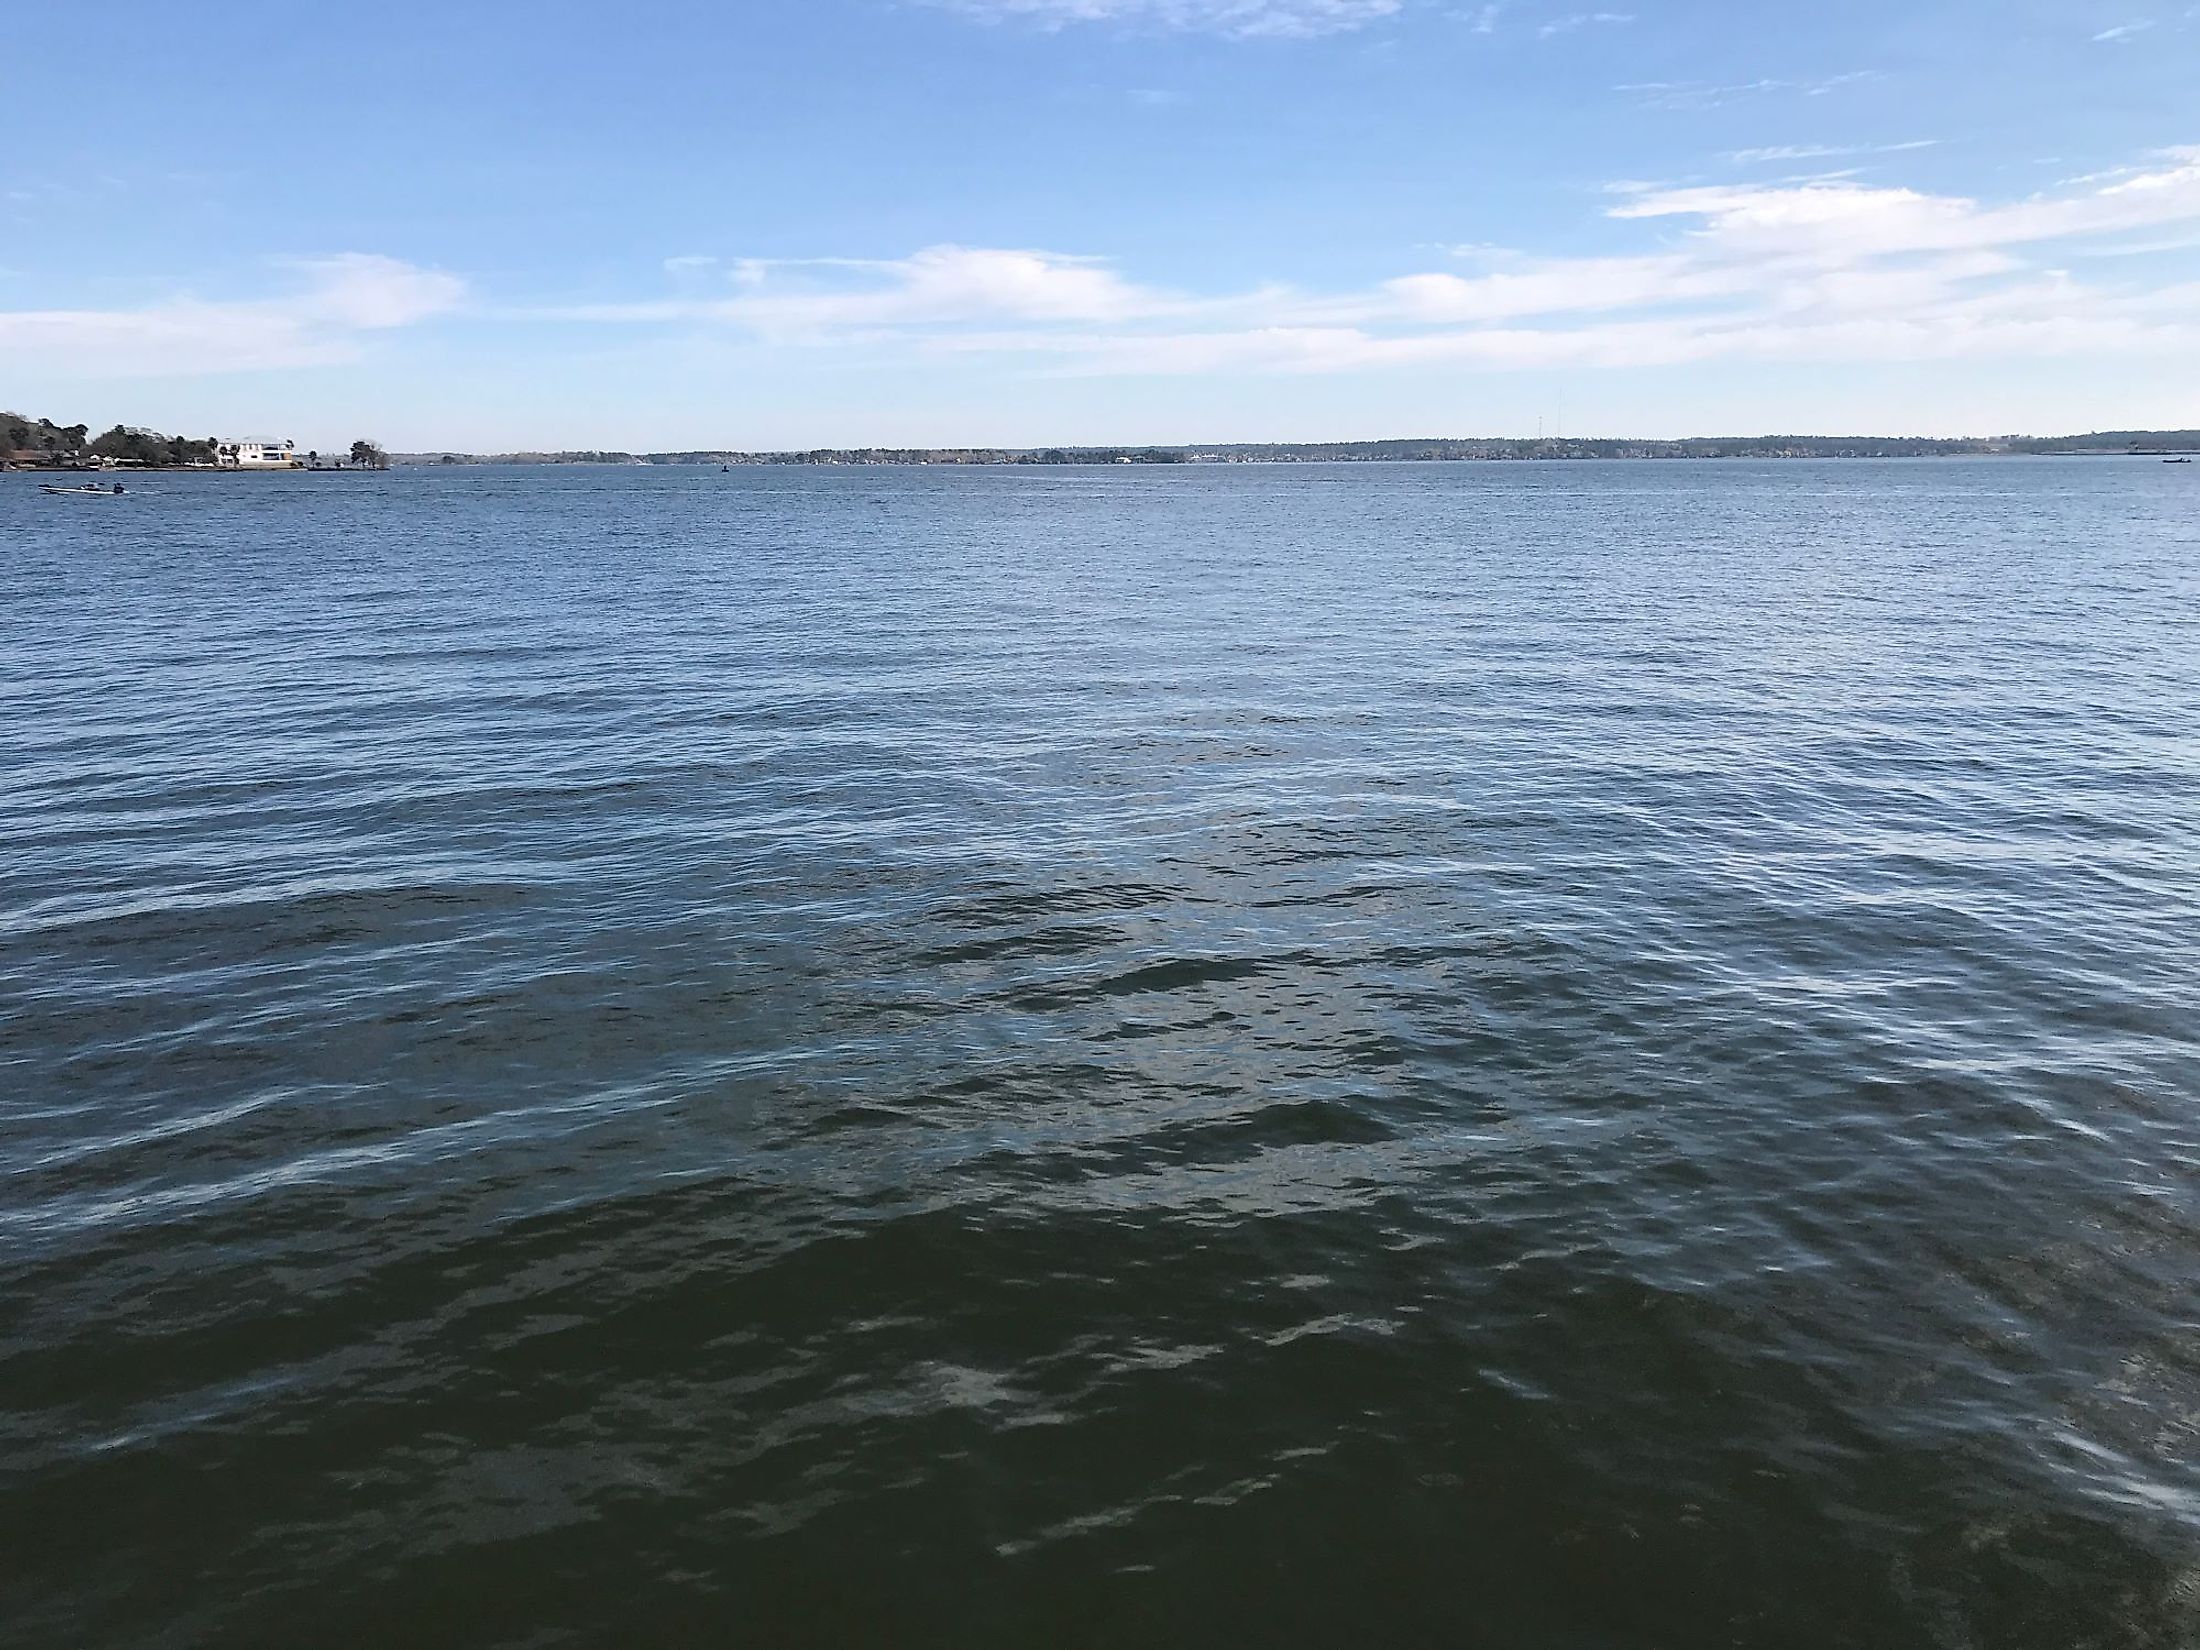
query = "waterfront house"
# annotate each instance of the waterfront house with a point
(259, 455)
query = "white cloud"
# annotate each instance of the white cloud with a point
(344, 297)
(358, 291)
(1238, 19)
(2123, 31)
(1819, 270)
(954, 283)
(1825, 269)
(1564, 286)
(1950, 335)
(1853, 220)
(811, 298)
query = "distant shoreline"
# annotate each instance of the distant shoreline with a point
(2113, 443)
(2102, 444)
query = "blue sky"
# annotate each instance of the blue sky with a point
(1036, 221)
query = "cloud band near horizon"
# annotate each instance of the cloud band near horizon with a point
(1826, 269)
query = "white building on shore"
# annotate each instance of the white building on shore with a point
(259, 455)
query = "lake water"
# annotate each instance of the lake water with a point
(1582, 1056)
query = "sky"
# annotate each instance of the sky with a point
(795, 223)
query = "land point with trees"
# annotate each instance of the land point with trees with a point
(41, 444)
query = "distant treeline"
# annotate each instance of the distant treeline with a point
(1423, 450)
(1754, 446)
(939, 455)
(518, 458)
(834, 455)
(41, 441)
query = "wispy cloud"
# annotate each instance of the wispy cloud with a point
(2123, 31)
(1819, 270)
(1705, 94)
(1582, 20)
(323, 322)
(1789, 152)
(1237, 19)
(2139, 249)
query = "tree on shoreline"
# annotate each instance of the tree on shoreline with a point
(150, 448)
(368, 455)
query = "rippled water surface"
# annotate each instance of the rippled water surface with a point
(1580, 1056)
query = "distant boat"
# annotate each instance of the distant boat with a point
(2176, 461)
(82, 492)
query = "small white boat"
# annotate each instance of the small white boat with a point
(83, 492)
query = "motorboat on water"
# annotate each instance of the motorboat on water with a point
(116, 491)
(2176, 461)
